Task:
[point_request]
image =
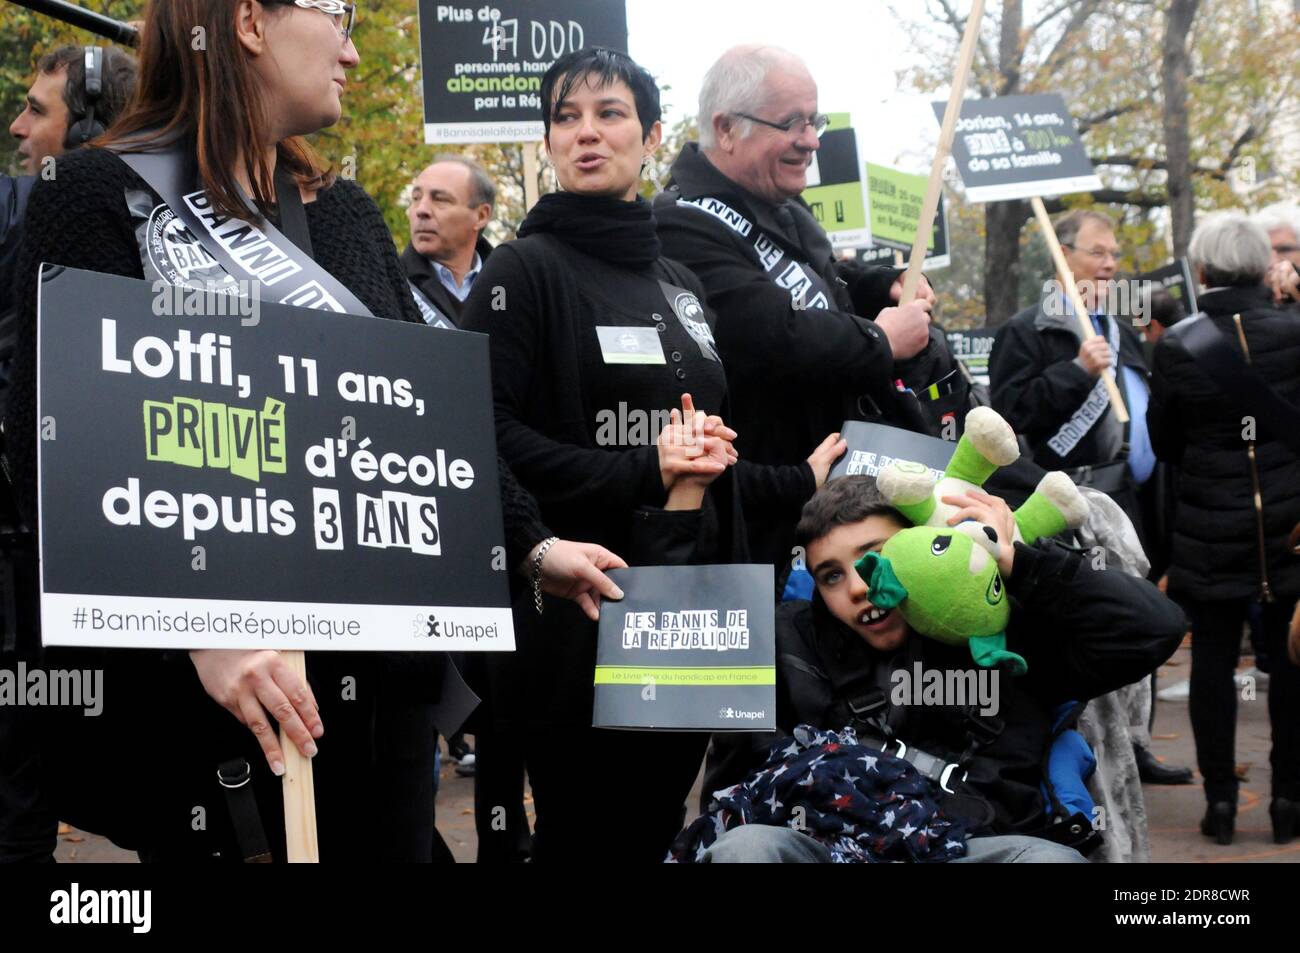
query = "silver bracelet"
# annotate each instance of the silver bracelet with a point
(537, 571)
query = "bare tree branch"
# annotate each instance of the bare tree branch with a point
(990, 62)
(1065, 41)
(1086, 124)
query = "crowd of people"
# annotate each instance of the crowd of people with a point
(763, 342)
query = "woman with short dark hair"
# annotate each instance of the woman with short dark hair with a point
(593, 335)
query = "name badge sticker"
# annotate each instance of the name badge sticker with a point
(630, 345)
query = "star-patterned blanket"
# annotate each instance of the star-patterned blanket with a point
(862, 805)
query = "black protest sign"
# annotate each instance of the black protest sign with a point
(689, 648)
(1017, 147)
(288, 479)
(482, 64)
(973, 348)
(872, 447)
(1176, 278)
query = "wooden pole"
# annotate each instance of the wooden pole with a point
(925, 227)
(532, 191)
(1076, 300)
(299, 788)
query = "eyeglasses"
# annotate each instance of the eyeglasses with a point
(343, 14)
(1101, 254)
(818, 121)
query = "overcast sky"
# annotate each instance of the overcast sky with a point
(853, 48)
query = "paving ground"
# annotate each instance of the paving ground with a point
(1174, 812)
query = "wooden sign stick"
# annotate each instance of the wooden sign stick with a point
(299, 788)
(1076, 300)
(925, 227)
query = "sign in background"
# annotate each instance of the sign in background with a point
(973, 349)
(1017, 147)
(835, 190)
(874, 446)
(894, 199)
(1176, 278)
(688, 648)
(482, 63)
(311, 481)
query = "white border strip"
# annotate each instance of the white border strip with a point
(145, 622)
(1027, 190)
(466, 132)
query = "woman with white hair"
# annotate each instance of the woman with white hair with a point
(1238, 500)
(1282, 223)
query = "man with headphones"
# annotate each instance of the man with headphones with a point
(78, 92)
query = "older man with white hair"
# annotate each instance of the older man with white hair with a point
(799, 359)
(1282, 223)
(1212, 413)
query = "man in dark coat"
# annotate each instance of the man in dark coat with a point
(799, 360)
(451, 205)
(56, 101)
(1238, 501)
(1046, 378)
(841, 661)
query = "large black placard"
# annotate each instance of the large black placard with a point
(328, 480)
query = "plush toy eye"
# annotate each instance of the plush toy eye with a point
(993, 595)
(940, 545)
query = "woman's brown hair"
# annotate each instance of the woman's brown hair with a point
(197, 86)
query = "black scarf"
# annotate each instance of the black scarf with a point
(621, 233)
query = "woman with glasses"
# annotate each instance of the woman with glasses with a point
(227, 90)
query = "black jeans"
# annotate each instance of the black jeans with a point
(604, 795)
(1216, 645)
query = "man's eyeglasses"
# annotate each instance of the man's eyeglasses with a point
(818, 121)
(343, 14)
(1101, 254)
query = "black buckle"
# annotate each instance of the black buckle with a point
(233, 775)
(983, 730)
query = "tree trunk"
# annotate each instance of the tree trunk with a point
(1002, 224)
(1178, 26)
(1003, 220)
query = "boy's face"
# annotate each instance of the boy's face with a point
(831, 560)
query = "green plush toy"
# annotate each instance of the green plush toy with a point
(944, 579)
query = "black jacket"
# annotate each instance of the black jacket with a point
(576, 430)
(377, 758)
(1037, 385)
(1215, 553)
(13, 203)
(421, 274)
(1083, 632)
(795, 375)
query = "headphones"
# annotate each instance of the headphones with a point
(87, 128)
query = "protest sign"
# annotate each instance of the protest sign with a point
(894, 201)
(1176, 278)
(835, 192)
(291, 480)
(1019, 147)
(1025, 147)
(482, 64)
(689, 648)
(947, 128)
(872, 447)
(973, 349)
